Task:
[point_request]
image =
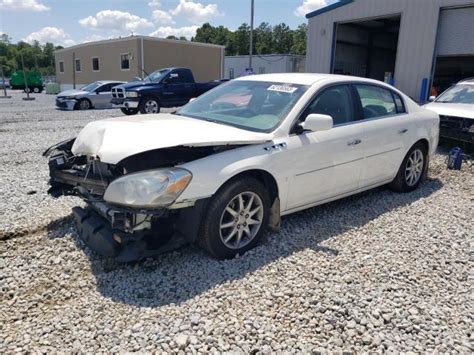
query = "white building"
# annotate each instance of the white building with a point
(234, 66)
(412, 43)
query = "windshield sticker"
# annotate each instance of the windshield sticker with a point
(282, 88)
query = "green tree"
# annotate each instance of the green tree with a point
(299, 40)
(264, 39)
(282, 39)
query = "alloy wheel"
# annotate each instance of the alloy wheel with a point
(414, 167)
(84, 105)
(151, 106)
(241, 220)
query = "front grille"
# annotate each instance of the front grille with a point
(118, 93)
(457, 128)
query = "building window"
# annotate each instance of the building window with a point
(231, 73)
(261, 70)
(61, 67)
(95, 64)
(78, 65)
(125, 62)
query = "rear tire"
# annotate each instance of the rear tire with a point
(36, 90)
(129, 111)
(149, 105)
(236, 218)
(412, 171)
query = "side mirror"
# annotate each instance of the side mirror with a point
(317, 122)
(432, 98)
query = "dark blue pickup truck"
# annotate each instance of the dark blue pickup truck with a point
(169, 87)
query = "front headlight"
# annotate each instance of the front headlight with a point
(148, 189)
(131, 93)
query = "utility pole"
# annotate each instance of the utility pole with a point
(251, 34)
(27, 89)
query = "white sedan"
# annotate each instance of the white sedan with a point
(228, 165)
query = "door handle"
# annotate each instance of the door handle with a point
(354, 142)
(402, 131)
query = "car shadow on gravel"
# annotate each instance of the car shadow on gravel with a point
(178, 276)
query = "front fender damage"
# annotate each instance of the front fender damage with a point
(125, 234)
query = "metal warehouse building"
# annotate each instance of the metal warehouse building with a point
(235, 65)
(414, 44)
(124, 58)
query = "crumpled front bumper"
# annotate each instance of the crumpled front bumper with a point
(103, 232)
(66, 104)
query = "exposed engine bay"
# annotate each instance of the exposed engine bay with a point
(130, 233)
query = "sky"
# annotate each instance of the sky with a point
(69, 22)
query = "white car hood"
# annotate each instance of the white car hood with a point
(446, 109)
(117, 138)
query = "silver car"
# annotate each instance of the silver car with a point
(95, 95)
(455, 108)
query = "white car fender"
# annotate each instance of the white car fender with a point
(228, 164)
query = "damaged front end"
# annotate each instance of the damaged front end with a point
(122, 218)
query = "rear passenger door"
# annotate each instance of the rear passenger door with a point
(387, 133)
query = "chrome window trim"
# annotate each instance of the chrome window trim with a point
(350, 82)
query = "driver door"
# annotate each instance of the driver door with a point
(327, 164)
(103, 96)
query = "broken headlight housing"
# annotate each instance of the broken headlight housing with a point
(148, 189)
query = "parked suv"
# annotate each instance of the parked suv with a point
(169, 87)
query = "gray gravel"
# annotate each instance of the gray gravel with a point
(375, 272)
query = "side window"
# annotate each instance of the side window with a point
(78, 65)
(336, 102)
(399, 103)
(376, 101)
(105, 88)
(185, 76)
(124, 62)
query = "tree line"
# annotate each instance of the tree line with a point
(35, 55)
(278, 39)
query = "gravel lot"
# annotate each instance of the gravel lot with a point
(374, 272)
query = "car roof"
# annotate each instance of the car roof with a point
(102, 82)
(305, 78)
(467, 81)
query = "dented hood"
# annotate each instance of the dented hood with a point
(115, 139)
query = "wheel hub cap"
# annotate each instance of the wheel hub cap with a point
(414, 167)
(241, 220)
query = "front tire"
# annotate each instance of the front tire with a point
(412, 171)
(129, 111)
(83, 104)
(149, 105)
(236, 219)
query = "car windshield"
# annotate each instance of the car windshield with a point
(459, 94)
(91, 87)
(157, 75)
(252, 105)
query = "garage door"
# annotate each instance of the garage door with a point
(456, 32)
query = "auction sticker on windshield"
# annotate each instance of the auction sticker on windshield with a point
(282, 88)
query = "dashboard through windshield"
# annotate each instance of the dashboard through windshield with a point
(253, 105)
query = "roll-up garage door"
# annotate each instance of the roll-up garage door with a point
(456, 32)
